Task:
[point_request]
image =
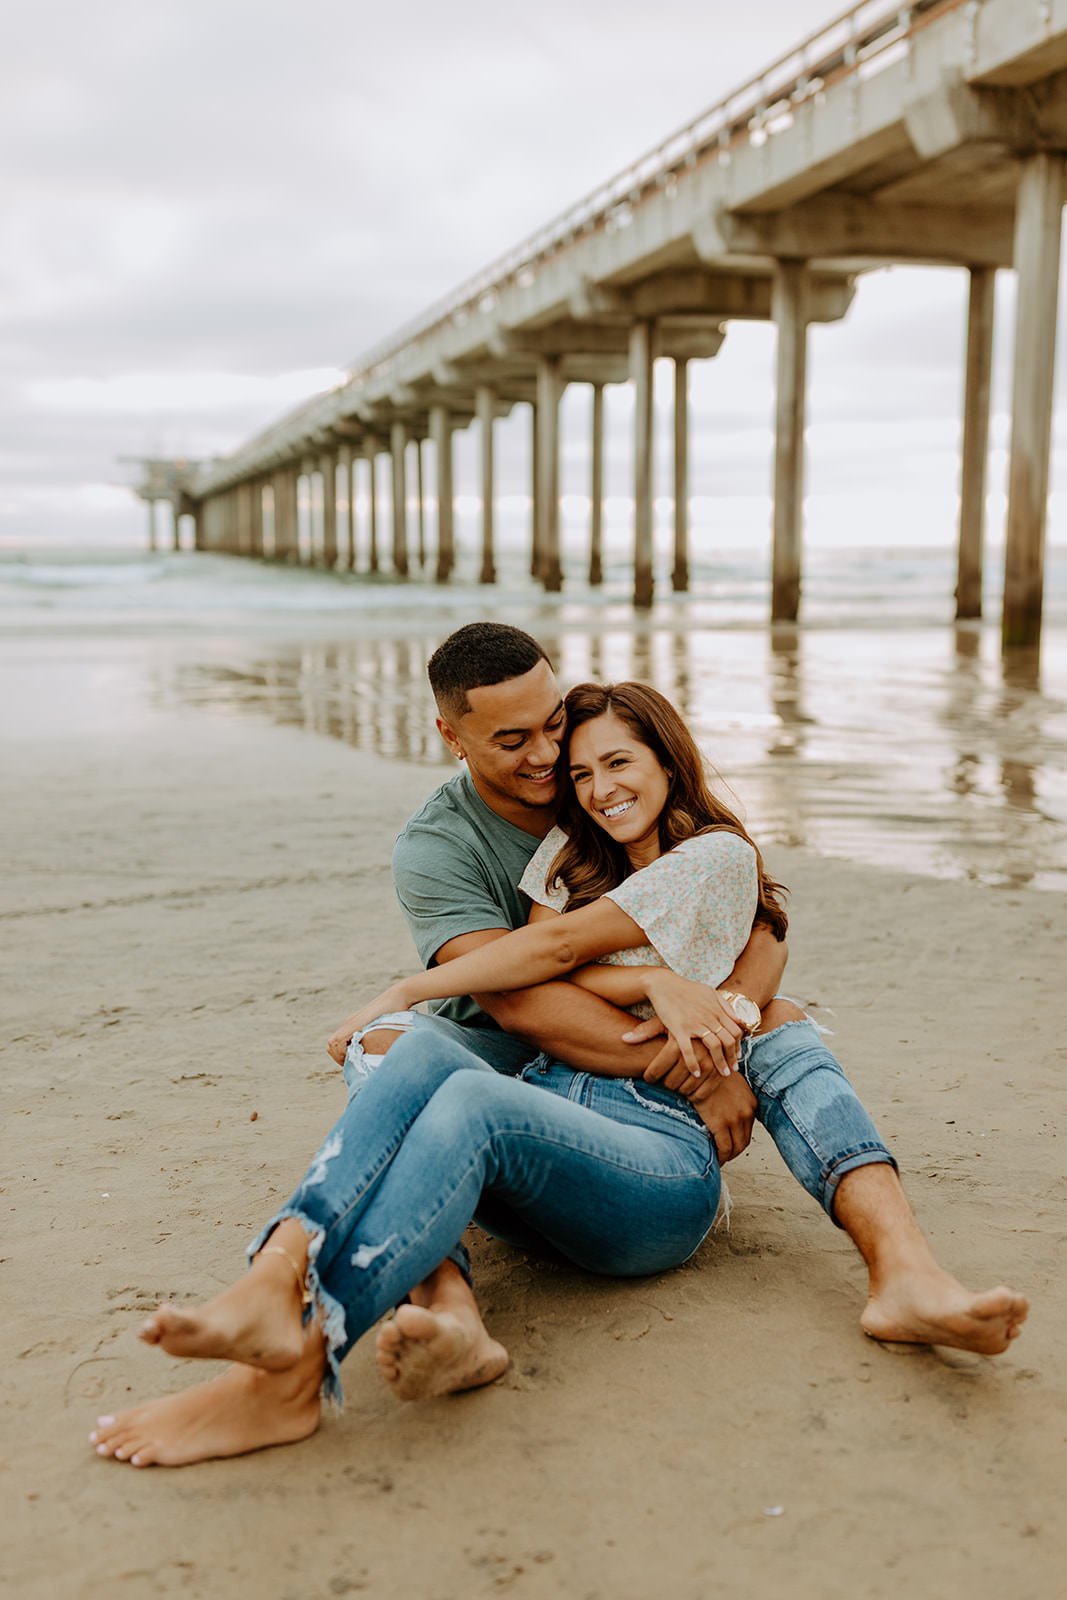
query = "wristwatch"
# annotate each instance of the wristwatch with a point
(745, 1010)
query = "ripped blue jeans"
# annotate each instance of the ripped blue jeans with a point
(618, 1176)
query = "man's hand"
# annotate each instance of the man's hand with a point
(727, 1108)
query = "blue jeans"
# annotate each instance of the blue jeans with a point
(619, 1176)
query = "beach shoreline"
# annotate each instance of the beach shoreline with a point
(875, 731)
(190, 902)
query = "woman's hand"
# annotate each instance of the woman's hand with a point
(689, 1011)
(395, 998)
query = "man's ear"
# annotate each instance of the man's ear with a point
(451, 738)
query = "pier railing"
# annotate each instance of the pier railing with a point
(859, 42)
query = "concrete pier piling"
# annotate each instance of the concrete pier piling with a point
(976, 391)
(535, 491)
(328, 468)
(546, 498)
(934, 133)
(1038, 225)
(596, 488)
(372, 507)
(441, 434)
(346, 460)
(398, 454)
(790, 301)
(641, 364)
(485, 406)
(421, 494)
(680, 572)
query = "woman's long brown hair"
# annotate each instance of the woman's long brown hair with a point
(591, 862)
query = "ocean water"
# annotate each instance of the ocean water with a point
(877, 730)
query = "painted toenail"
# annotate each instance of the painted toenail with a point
(101, 1449)
(104, 1422)
(135, 1461)
(92, 1437)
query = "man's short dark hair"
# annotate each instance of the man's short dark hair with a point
(480, 654)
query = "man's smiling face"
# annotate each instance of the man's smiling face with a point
(510, 740)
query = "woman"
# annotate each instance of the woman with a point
(621, 1178)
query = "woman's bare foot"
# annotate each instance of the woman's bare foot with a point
(933, 1308)
(243, 1409)
(258, 1321)
(422, 1353)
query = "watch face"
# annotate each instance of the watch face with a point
(745, 1010)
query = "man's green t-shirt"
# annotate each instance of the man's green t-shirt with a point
(456, 869)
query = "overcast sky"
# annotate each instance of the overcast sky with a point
(210, 208)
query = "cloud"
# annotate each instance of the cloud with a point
(209, 208)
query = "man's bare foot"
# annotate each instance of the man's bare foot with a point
(933, 1308)
(258, 1321)
(422, 1353)
(243, 1409)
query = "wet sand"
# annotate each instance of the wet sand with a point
(191, 905)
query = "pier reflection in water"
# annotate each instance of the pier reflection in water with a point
(916, 749)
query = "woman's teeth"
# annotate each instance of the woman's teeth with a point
(619, 810)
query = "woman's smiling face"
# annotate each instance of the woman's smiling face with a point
(620, 783)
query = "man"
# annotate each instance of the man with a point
(456, 866)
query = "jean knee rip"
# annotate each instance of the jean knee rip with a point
(321, 1160)
(366, 1253)
(773, 1062)
(328, 1312)
(359, 1063)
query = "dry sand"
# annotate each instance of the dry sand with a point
(189, 910)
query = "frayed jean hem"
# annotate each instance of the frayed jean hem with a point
(328, 1312)
(869, 1156)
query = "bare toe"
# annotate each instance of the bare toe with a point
(243, 1409)
(166, 1322)
(933, 1308)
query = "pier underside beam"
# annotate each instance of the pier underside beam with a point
(441, 433)
(846, 225)
(485, 403)
(790, 315)
(547, 500)
(641, 363)
(976, 390)
(398, 444)
(1039, 215)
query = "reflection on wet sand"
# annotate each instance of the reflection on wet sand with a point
(935, 758)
